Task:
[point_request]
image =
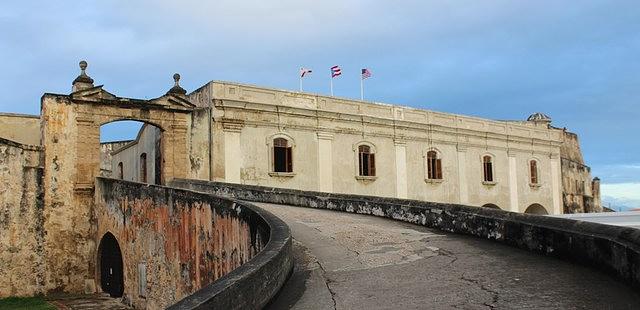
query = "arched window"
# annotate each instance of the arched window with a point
(533, 168)
(367, 161)
(487, 165)
(120, 171)
(143, 167)
(282, 159)
(434, 166)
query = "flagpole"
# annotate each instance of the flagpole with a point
(301, 83)
(331, 83)
(361, 88)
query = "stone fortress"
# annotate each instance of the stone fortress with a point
(57, 214)
(258, 136)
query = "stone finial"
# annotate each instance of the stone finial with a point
(83, 81)
(176, 89)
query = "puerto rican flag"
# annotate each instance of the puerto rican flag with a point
(335, 71)
(304, 72)
(366, 73)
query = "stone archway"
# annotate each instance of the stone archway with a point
(111, 266)
(536, 209)
(70, 127)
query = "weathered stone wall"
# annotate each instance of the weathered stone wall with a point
(105, 156)
(71, 161)
(148, 142)
(615, 250)
(186, 239)
(578, 193)
(21, 128)
(21, 219)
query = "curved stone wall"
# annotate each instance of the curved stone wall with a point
(178, 244)
(615, 250)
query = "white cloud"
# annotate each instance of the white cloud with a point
(621, 196)
(621, 190)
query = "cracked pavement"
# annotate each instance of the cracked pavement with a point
(351, 261)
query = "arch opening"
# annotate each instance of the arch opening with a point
(536, 209)
(491, 206)
(111, 266)
(131, 150)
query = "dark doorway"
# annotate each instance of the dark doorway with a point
(111, 277)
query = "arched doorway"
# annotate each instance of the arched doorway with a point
(536, 209)
(111, 273)
(490, 206)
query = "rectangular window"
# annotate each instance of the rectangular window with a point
(488, 168)
(282, 157)
(534, 172)
(367, 163)
(143, 167)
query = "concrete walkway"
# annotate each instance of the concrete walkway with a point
(349, 261)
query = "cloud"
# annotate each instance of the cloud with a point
(498, 59)
(620, 173)
(623, 195)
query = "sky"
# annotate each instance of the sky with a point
(577, 61)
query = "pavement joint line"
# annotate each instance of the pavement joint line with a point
(326, 283)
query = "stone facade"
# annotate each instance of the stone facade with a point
(21, 220)
(325, 133)
(21, 128)
(105, 156)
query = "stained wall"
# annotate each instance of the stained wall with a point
(184, 239)
(21, 220)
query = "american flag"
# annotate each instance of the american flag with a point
(335, 71)
(366, 73)
(304, 72)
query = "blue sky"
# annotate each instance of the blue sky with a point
(577, 61)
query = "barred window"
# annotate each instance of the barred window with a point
(487, 164)
(282, 157)
(533, 167)
(434, 166)
(367, 161)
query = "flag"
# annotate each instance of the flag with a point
(366, 73)
(335, 71)
(304, 72)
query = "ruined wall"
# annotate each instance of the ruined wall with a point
(20, 128)
(185, 239)
(578, 193)
(21, 218)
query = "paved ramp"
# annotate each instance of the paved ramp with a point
(350, 261)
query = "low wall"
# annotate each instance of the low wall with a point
(21, 217)
(615, 250)
(190, 244)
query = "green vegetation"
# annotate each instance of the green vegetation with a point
(20, 303)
